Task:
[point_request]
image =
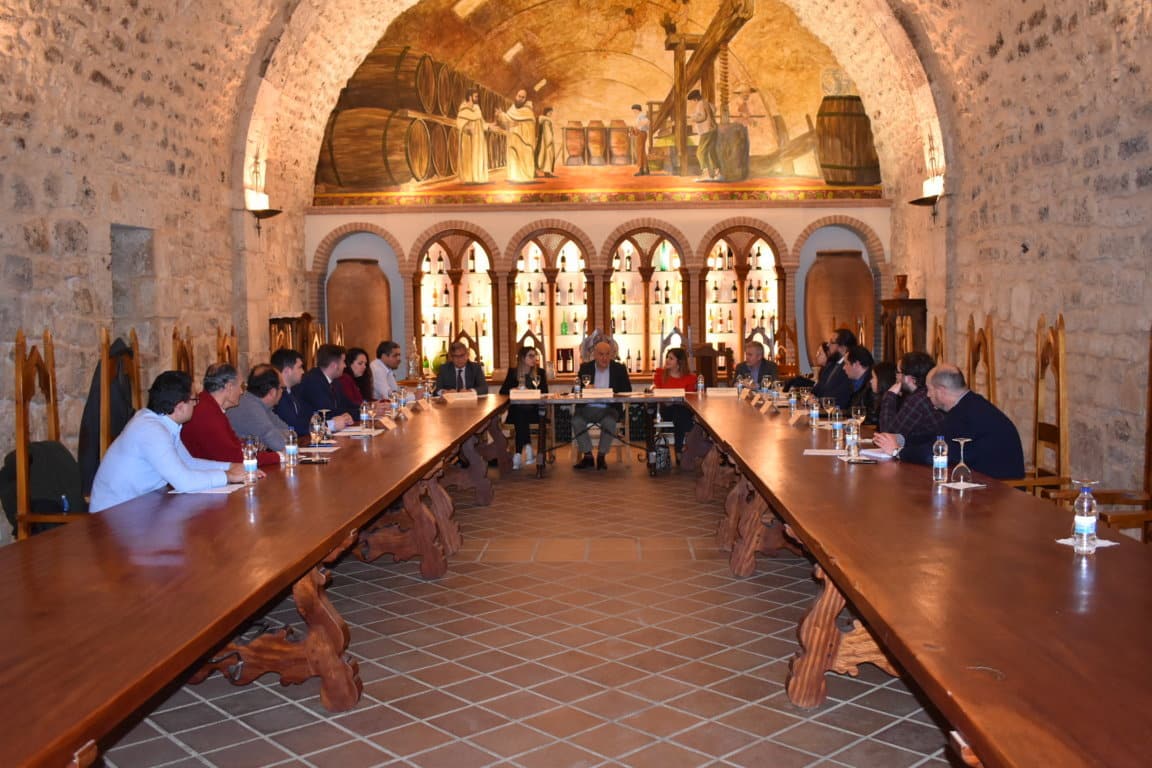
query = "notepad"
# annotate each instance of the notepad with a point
(316, 449)
(824, 452)
(223, 489)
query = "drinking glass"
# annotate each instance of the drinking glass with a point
(962, 473)
(778, 385)
(828, 403)
(326, 432)
(766, 383)
(523, 381)
(316, 428)
(859, 413)
(534, 379)
(585, 381)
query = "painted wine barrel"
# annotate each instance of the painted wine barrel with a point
(844, 142)
(574, 143)
(452, 137)
(393, 77)
(375, 148)
(619, 143)
(449, 90)
(838, 289)
(597, 143)
(438, 149)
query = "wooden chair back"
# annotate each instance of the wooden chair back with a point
(474, 346)
(35, 369)
(674, 338)
(705, 361)
(787, 362)
(226, 346)
(904, 342)
(110, 367)
(1050, 432)
(336, 334)
(531, 339)
(980, 357)
(182, 357)
(936, 346)
(312, 347)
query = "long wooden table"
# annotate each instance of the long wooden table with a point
(1037, 656)
(102, 614)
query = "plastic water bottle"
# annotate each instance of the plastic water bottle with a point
(792, 402)
(814, 413)
(249, 462)
(939, 460)
(1084, 522)
(700, 384)
(852, 438)
(366, 415)
(291, 448)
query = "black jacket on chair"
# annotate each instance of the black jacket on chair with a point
(121, 411)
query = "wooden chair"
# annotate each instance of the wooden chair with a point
(226, 346)
(182, 358)
(33, 368)
(337, 335)
(674, 338)
(904, 342)
(110, 367)
(1051, 453)
(785, 337)
(530, 339)
(936, 347)
(980, 353)
(762, 335)
(474, 346)
(315, 339)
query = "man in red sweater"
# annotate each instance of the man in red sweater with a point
(209, 435)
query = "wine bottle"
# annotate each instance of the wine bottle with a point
(472, 259)
(564, 325)
(731, 327)
(628, 262)
(563, 263)
(444, 300)
(667, 293)
(735, 294)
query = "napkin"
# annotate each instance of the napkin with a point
(964, 486)
(319, 449)
(1100, 543)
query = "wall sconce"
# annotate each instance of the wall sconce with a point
(933, 188)
(257, 205)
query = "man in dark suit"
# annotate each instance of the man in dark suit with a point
(995, 449)
(604, 372)
(854, 387)
(755, 364)
(832, 374)
(318, 390)
(290, 364)
(460, 373)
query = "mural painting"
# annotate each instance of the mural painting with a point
(586, 101)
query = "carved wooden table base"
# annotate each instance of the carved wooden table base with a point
(474, 475)
(496, 447)
(696, 447)
(825, 648)
(296, 657)
(749, 528)
(714, 475)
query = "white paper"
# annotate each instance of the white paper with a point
(876, 453)
(592, 393)
(668, 392)
(1100, 543)
(358, 432)
(824, 452)
(468, 396)
(524, 394)
(964, 486)
(317, 449)
(720, 392)
(223, 489)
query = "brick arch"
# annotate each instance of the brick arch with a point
(673, 233)
(574, 233)
(438, 230)
(770, 233)
(317, 304)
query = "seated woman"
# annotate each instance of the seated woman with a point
(675, 375)
(818, 366)
(356, 381)
(523, 415)
(883, 379)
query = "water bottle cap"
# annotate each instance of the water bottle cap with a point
(939, 437)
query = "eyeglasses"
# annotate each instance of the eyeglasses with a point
(459, 355)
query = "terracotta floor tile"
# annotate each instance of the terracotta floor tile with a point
(559, 754)
(611, 740)
(312, 738)
(665, 755)
(511, 740)
(468, 721)
(452, 755)
(409, 739)
(563, 721)
(661, 721)
(352, 753)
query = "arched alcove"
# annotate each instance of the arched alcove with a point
(831, 239)
(358, 307)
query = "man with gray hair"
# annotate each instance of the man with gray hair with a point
(995, 449)
(604, 373)
(253, 415)
(208, 435)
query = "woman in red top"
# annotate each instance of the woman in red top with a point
(356, 381)
(675, 375)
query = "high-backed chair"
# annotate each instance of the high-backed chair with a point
(226, 346)
(35, 369)
(1134, 506)
(904, 342)
(315, 339)
(936, 346)
(182, 357)
(531, 339)
(112, 366)
(674, 338)
(337, 334)
(788, 361)
(1051, 454)
(979, 354)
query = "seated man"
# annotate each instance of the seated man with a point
(755, 364)
(253, 415)
(605, 373)
(319, 390)
(291, 411)
(460, 373)
(831, 374)
(905, 408)
(858, 367)
(995, 449)
(384, 370)
(148, 455)
(208, 435)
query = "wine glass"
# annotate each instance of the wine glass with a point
(316, 428)
(586, 380)
(827, 404)
(766, 383)
(534, 379)
(859, 413)
(778, 385)
(327, 434)
(962, 473)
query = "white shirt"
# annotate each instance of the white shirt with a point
(147, 456)
(383, 380)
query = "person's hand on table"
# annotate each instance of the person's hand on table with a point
(236, 473)
(343, 421)
(887, 442)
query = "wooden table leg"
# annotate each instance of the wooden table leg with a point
(404, 534)
(542, 439)
(496, 447)
(748, 508)
(320, 653)
(472, 476)
(714, 475)
(730, 523)
(443, 511)
(696, 447)
(824, 648)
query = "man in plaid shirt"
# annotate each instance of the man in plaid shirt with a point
(906, 409)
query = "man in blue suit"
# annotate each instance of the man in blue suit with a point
(319, 390)
(460, 373)
(995, 449)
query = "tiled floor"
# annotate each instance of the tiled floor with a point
(588, 621)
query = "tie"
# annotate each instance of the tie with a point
(459, 378)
